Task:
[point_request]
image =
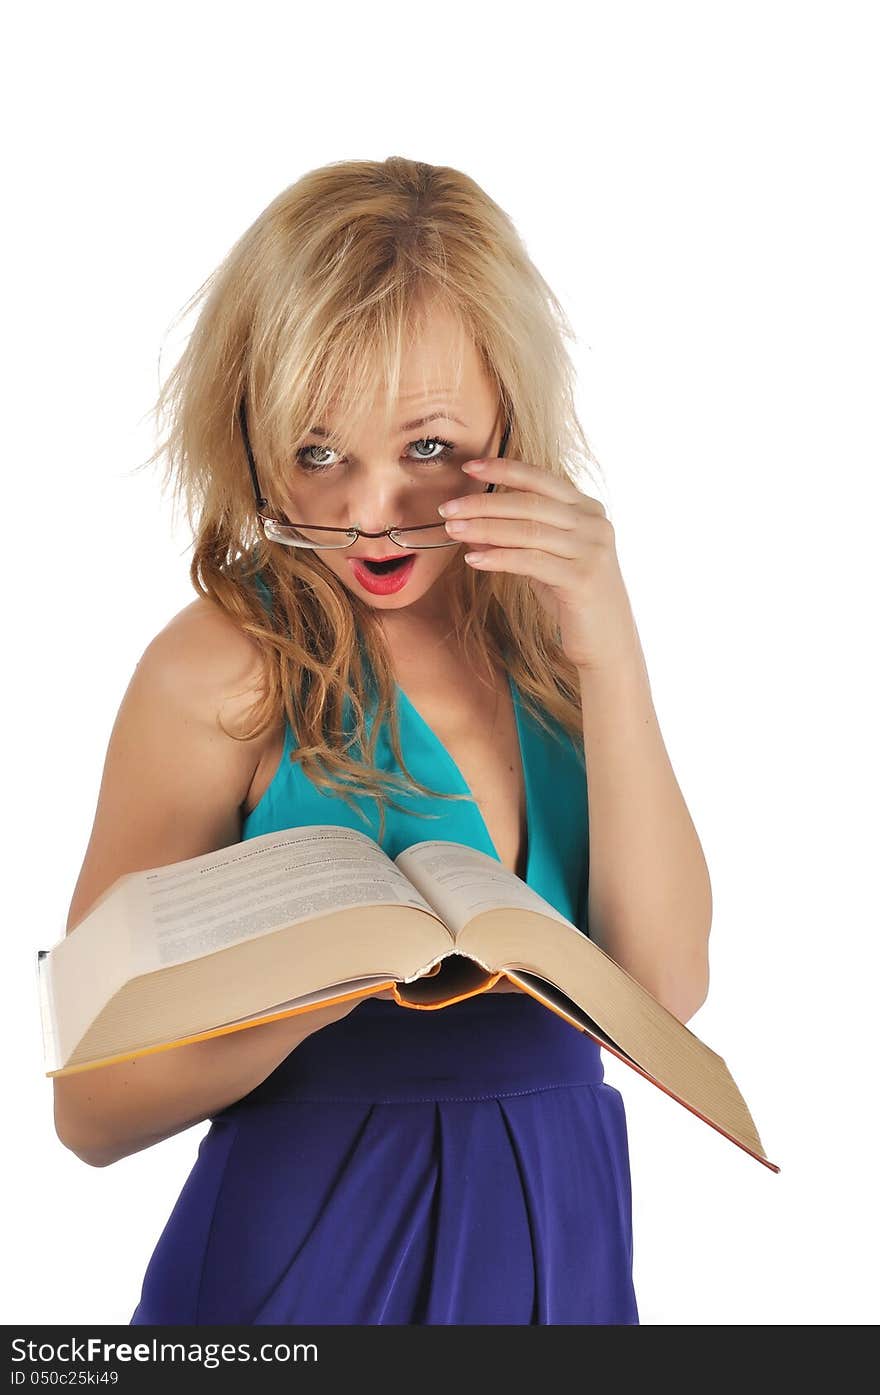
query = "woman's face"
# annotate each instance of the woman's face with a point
(399, 480)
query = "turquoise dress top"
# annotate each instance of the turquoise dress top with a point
(463, 1165)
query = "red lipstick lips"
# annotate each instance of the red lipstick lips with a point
(383, 583)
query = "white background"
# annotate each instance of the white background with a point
(698, 183)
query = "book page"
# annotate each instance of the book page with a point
(350, 988)
(461, 882)
(51, 1059)
(194, 908)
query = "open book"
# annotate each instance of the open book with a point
(285, 922)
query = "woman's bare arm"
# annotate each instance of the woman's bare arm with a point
(172, 788)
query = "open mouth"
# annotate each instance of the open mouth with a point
(393, 564)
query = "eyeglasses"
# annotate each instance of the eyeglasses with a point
(311, 535)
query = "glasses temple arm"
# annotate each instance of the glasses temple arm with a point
(262, 503)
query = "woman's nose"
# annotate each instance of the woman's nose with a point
(385, 503)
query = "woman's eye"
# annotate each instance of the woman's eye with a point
(313, 466)
(446, 448)
(307, 462)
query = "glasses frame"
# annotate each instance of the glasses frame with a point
(269, 524)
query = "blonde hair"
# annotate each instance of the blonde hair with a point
(306, 316)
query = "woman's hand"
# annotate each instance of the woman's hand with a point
(544, 528)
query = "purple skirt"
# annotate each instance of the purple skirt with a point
(466, 1165)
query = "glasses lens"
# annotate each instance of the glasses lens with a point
(307, 537)
(324, 539)
(433, 536)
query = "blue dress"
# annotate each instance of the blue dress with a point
(462, 1165)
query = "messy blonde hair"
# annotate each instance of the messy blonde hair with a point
(306, 317)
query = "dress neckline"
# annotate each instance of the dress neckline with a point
(464, 787)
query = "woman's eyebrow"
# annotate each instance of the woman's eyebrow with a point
(407, 425)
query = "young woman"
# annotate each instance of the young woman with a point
(376, 331)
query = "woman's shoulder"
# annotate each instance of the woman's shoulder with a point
(222, 666)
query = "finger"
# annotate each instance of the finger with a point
(514, 503)
(521, 561)
(520, 474)
(525, 534)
